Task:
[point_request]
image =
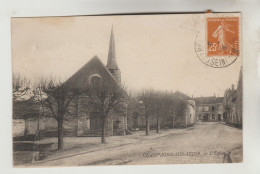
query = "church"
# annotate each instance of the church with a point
(94, 73)
(82, 121)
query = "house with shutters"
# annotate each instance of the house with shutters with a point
(210, 108)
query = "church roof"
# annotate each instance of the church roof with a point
(94, 66)
(111, 61)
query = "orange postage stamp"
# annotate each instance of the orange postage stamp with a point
(217, 43)
(223, 36)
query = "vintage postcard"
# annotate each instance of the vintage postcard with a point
(127, 90)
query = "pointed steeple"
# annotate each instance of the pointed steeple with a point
(111, 61)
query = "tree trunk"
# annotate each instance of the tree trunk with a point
(60, 133)
(172, 124)
(147, 126)
(38, 129)
(103, 136)
(158, 125)
(26, 126)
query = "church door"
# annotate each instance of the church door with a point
(95, 122)
(219, 117)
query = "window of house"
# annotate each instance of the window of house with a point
(213, 108)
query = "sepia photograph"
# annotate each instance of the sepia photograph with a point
(127, 90)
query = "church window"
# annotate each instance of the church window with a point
(95, 84)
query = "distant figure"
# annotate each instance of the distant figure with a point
(220, 33)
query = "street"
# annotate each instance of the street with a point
(206, 142)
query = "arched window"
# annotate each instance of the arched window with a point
(95, 83)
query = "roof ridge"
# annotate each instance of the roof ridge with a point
(109, 72)
(93, 58)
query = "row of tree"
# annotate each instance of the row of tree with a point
(56, 98)
(161, 105)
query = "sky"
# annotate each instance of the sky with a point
(153, 51)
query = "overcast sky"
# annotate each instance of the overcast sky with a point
(155, 51)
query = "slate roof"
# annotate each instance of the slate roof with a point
(209, 100)
(94, 66)
(182, 95)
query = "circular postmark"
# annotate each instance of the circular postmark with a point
(218, 46)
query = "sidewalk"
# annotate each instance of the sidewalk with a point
(211, 140)
(74, 146)
(230, 125)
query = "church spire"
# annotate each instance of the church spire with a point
(111, 61)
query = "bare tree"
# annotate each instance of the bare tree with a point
(57, 98)
(105, 99)
(161, 104)
(179, 108)
(174, 108)
(21, 86)
(147, 98)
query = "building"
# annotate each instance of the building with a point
(28, 120)
(230, 105)
(81, 121)
(25, 113)
(239, 100)
(187, 117)
(95, 74)
(209, 108)
(181, 114)
(233, 105)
